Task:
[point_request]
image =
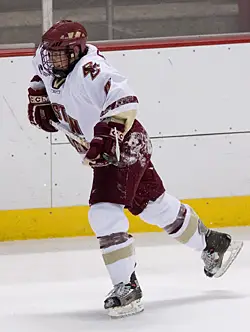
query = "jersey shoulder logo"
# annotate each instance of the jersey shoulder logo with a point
(92, 69)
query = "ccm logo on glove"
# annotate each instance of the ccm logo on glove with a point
(38, 99)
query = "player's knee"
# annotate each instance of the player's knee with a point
(161, 212)
(107, 218)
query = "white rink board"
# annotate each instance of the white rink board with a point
(25, 157)
(182, 91)
(189, 90)
(205, 166)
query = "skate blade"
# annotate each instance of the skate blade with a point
(234, 249)
(131, 309)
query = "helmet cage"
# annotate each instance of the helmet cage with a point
(69, 51)
(50, 65)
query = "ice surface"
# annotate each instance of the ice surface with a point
(59, 285)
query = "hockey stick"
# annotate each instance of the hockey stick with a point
(78, 138)
(117, 146)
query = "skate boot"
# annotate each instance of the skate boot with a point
(124, 299)
(217, 246)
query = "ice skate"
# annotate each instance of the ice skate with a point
(124, 299)
(219, 245)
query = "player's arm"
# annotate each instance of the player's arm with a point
(120, 103)
(111, 93)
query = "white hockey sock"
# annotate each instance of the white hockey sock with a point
(178, 220)
(110, 225)
(120, 261)
(188, 229)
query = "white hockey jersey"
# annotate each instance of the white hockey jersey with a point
(92, 91)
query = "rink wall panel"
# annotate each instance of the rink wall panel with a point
(194, 102)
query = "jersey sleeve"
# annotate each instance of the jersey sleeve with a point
(108, 89)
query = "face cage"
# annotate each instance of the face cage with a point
(48, 64)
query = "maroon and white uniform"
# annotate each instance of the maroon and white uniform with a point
(74, 84)
(93, 91)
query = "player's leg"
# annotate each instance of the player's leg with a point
(112, 189)
(110, 225)
(183, 224)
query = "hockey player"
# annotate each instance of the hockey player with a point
(76, 86)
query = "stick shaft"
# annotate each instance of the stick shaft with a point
(78, 138)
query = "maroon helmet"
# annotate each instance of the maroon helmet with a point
(62, 46)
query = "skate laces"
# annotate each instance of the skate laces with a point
(120, 290)
(210, 259)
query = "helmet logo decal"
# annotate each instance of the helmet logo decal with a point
(72, 35)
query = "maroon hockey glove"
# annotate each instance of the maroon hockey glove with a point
(40, 111)
(102, 151)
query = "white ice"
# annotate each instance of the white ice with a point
(59, 286)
